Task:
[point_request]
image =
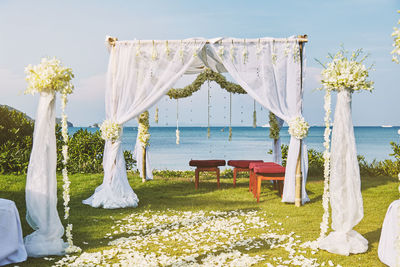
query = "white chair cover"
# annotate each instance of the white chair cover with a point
(387, 251)
(345, 184)
(41, 185)
(12, 247)
(139, 74)
(270, 72)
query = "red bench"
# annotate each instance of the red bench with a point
(265, 171)
(206, 166)
(240, 166)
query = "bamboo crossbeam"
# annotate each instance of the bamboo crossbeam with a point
(300, 39)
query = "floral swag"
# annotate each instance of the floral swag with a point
(206, 75)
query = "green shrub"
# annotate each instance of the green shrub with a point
(16, 131)
(85, 151)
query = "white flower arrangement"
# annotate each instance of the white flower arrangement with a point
(49, 76)
(396, 43)
(345, 72)
(110, 130)
(298, 128)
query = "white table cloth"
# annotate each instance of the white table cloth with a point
(12, 247)
(390, 232)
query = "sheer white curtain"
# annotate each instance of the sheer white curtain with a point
(276, 147)
(139, 74)
(387, 251)
(41, 185)
(345, 184)
(138, 156)
(270, 71)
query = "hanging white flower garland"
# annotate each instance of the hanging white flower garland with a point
(51, 76)
(327, 158)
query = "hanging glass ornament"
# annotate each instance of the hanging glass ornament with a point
(156, 116)
(208, 119)
(254, 116)
(177, 122)
(230, 116)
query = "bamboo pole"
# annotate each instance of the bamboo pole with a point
(300, 38)
(144, 164)
(297, 200)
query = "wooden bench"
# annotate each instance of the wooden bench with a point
(266, 171)
(240, 166)
(206, 166)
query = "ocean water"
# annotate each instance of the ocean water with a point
(247, 143)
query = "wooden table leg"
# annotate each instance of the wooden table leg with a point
(258, 188)
(280, 186)
(218, 177)
(234, 176)
(196, 180)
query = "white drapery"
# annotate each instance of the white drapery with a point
(138, 156)
(345, 184)
(41, 185)
(276, 147)
(139, 74)
(270, 72)
(387, 251)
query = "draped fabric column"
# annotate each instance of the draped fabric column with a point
(139, 74)
(270, 72)
(276, 148)
(138, 156)
(345, 184)
(41, 185)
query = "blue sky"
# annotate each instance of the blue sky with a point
(74, 31)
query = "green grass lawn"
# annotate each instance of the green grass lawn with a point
(175, 195)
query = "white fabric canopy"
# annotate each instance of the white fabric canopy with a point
(345, 184)
(139, 74)
(41, 185)
(387, 251)
(12, 247)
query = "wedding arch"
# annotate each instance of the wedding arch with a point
(140, 72)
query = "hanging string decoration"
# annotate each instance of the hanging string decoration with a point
(208, 112)
(230, 116)
(143, 129)
(156, 116)
(254, 116)
(273, 126)
(177, 122)
(206, 75)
